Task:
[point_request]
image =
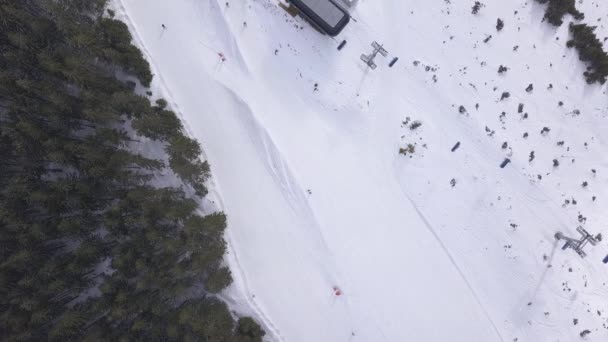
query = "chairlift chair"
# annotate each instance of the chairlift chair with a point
(379, 48)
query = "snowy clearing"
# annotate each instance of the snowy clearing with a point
(435, 245)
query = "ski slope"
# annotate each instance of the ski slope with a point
(304, 141)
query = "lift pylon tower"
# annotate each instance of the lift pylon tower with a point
(369, 59)
(577, 245)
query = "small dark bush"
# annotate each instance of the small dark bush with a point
(410, 149)
(499, 24)
(476, 7)
(415, 125)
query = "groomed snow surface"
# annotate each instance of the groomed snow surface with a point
(304, 141)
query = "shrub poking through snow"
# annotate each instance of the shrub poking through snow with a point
(476, 7)
(499, 24)
(502, 69)
(414, 125)
(408, 150)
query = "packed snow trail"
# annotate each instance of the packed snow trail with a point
(303, 142)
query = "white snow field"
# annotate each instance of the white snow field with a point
(303, 142)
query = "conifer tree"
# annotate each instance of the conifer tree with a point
(89, 249)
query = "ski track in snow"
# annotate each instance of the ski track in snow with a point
(212, 186)
(453, 261)
(292, 191)
(270, 137)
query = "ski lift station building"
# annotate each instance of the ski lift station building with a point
(326, 15)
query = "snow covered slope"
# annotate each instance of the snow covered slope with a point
(304, 141)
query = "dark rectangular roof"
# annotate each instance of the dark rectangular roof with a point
(326, 14)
